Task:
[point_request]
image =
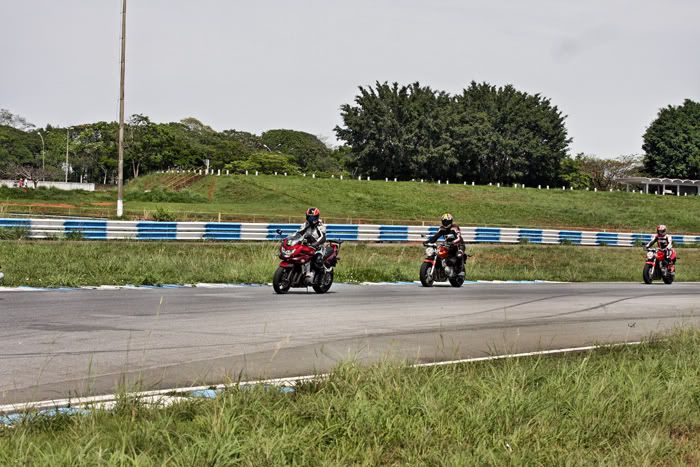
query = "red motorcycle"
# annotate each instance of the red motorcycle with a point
(296, 268)
(440, 265)
(657, 266)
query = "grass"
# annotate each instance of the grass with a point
(284, 199)
(77, 263)
(634, 405)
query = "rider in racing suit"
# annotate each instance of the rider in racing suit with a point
(451, 231)
(665, 243)
(314, 232)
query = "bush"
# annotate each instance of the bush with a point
(162, 215)
(13, 233)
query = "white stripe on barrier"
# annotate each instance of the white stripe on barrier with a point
(192, 231)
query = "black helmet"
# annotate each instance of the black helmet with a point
(313, 215)
(447, 220)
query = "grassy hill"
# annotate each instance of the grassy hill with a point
(284, 199)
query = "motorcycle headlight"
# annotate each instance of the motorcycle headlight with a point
(650, 254)
(287, 252)
(430, 251)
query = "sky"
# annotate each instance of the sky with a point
(609, 65)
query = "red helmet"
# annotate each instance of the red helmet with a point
(661, 229)
(313, 215)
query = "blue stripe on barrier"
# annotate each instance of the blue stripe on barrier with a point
(156, 230)
(222, 231)
(287, 229)
(570, 236)
(393, 233)
(488, 234)
(643, 238)
(341, 232)
(606, 238)
(91, 230)
(679, 240)
(15, 223)
(531, 235)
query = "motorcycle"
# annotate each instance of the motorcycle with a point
(657, 266)
(296, 270)
(439, 266)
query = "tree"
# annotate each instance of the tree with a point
(586, 171)
(672, 142)
(309, 152)
(398, 131)
(485, 134)
(7, 118)
(505, 135)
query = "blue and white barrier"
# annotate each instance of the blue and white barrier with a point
(241, 231)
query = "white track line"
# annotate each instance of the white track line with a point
(289, 381)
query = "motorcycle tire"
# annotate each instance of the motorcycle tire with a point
(325, 285)
(646, 274)
(668, 278)
(280, 281)
(425, 278)
(456, 281)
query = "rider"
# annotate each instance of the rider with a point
(314, 231)
(665, 243)
(450, 231)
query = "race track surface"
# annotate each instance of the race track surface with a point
(67, 343)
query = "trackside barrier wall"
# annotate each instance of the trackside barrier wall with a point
(234, 231)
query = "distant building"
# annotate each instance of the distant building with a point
(663, 186)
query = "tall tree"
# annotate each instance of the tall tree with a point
(672, 142)
(398, 131)
(505, 135)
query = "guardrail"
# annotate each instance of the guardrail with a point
(234, 231)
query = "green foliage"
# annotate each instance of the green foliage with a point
(163, 215)
(486, 134)
(309, 153)
(672, 142)
(13, 233)
(265, 162)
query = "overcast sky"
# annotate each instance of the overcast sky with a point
(256, 65)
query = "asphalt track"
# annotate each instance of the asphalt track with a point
(67, 343)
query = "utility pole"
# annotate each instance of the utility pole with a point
(67, 137)
(120, 170)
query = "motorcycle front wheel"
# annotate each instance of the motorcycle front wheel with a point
(325, 284)
(646, 274)
(281, 280)
(425, 278)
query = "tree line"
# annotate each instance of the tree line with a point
(499, 134)
(40, 153)
(485, 134)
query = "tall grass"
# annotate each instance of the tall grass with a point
(637, 405)
(76, 263)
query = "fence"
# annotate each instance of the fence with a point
(57, 185)
(232, 231)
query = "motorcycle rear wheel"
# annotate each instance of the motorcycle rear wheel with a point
(668, 278)
(646, 274)
(325, 285)
(425, 278)
(280, 281)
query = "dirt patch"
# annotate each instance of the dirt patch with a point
(42, 205)
(103, 203)
(212, 189)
